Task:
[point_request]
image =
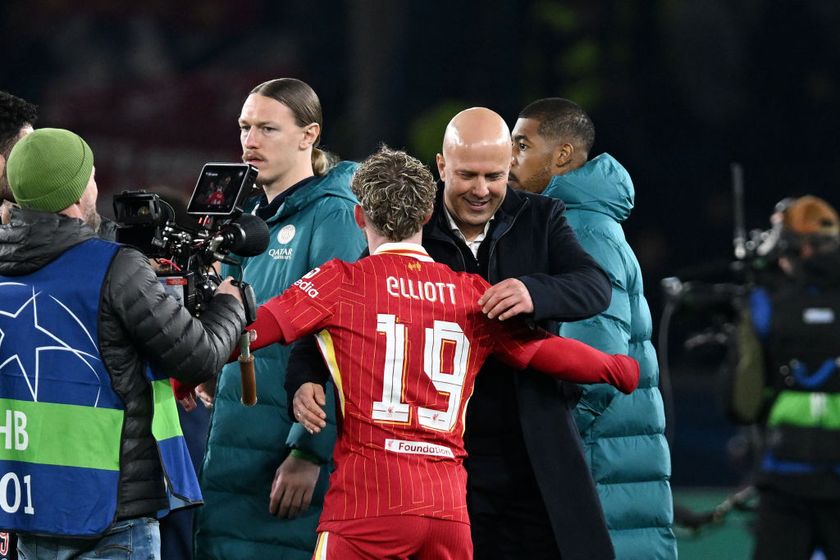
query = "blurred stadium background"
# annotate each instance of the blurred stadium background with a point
(678, 90)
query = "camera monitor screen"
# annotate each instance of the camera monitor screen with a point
(220, 187)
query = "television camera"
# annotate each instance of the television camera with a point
(716, 294)
(186, 253)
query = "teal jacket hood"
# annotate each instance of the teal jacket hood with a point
(600, 185)
(336, 183)
(623, 435)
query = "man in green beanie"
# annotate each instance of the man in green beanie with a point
(88, 341)
(54, 173)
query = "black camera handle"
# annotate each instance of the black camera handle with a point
(249, 300)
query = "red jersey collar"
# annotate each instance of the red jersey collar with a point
(405, 249)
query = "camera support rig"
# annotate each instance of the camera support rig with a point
(187, 254)
(147, 222)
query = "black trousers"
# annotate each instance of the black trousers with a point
(791, 528)
(507, 513)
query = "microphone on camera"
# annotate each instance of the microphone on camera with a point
(247, 236)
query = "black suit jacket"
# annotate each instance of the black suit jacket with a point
(529, 239)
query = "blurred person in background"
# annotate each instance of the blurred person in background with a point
(17, 117)
(86, 330)
(623, 435)
(788, 354)
(264, 476)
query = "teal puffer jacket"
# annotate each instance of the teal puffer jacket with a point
(623, 435)
(247, 444)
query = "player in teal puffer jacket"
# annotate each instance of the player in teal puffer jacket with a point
(623, 435)
(261, 468)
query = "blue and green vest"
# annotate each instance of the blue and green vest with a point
(60, 419)
(801, 334)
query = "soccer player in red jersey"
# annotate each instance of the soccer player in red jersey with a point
(404, 338)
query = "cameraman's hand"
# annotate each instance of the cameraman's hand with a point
(206, 392)
(227, 287)
(188, 403)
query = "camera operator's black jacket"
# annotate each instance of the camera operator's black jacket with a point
(137, 323)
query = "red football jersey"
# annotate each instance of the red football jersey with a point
(404, 338)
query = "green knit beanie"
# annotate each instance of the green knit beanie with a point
(49, 169)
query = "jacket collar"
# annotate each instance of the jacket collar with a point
(33, 239)
(335, 183)
(512, 205)
(267, 210)
(601, 185)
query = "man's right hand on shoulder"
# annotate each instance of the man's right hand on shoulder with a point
(308, 407)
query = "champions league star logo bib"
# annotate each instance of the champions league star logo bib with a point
(41, 339)
(61, 422)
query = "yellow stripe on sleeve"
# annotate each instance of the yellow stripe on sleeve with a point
(325, 342)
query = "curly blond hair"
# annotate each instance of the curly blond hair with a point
(396, 192)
